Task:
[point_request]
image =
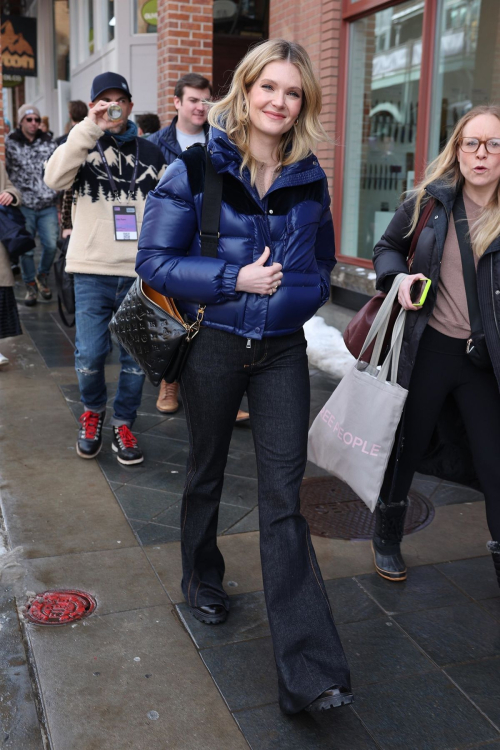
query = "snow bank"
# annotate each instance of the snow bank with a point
(326, 349)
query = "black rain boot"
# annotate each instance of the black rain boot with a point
(494, 548)
(386, 543)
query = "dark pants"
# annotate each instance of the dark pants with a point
(442, 368)
(274, 374)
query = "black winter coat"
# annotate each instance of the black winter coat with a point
(448, 455)
(166, 140)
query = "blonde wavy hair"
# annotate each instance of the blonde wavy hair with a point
(446, 169)
(231, 113)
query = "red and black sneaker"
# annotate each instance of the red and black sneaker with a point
(125, 446)
(89, 440)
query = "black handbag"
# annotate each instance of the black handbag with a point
(147, 324)
(65, 284)
(476, 345)
(13, 233)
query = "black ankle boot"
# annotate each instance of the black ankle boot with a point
(494, 548)
(386, 544)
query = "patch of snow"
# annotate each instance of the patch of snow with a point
(326, 349)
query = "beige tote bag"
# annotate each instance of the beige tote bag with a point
(353, 435)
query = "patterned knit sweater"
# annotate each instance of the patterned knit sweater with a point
(77, 165)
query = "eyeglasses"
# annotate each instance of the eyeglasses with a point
(32, 119)
(471, 145)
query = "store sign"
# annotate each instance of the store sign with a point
(10, 82)
(149, 12)
(19, 45)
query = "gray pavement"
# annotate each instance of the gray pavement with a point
(141, 672)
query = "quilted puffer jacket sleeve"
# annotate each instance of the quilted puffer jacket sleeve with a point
(391, 251)
(168, 231)
(325, 247)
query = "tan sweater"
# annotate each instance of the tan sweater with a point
(77, 164)
(451, 315)
(6, 277)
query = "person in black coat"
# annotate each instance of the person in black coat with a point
(451, 422)
(271, 273)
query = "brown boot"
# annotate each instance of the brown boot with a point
(168, 400)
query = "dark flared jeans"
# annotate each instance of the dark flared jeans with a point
(274, 374)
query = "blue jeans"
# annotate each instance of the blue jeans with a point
(44, 222)
(274, 374)
(96, 299)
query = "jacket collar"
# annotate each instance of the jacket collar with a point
(444, 193)
(227, 158)
(169, 136)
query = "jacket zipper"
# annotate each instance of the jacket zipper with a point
(249, 344)
(493, 296)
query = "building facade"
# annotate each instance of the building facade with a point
(396, 76)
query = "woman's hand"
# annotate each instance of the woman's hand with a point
(6, 198)
(404, 298)
(259, 279)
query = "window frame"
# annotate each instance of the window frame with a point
(352, 12)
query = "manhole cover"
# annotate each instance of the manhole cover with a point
(59, 607)
(333, 510)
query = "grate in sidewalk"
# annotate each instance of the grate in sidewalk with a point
(333, 510)
(59, 607)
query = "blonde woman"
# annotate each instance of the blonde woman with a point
(453, 409)
(271, 273)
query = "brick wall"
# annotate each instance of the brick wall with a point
(185, 31)
(316, 25)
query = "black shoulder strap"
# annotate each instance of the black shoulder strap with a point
(210, 212)
(468, 265)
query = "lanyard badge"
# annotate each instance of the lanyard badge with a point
(124, 217)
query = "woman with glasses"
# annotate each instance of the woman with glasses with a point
(271, 273)
(450, 360)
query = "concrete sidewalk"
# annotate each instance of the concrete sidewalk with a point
(141, 672)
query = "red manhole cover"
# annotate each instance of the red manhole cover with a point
(333, 510)
(59, 607)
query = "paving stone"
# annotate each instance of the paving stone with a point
(228, 516)
(12, 652)
(241, 554)
(19, 726)
(426, 486)
(453, 634)
(453, 494)
(424, 712)
(171, 427)
(378, 651)
(119, 579)
(240, 491)
(268, 728)
(169, 477)
(244, 672)
(156, 533)
(249, 522)
(349, 601)
(117, 472)
(247, 619)
(476, 577)
(425, 588)
(492, 606)
(144, 504)
(107, 706)
(480, 681)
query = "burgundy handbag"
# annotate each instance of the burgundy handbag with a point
(356, 332)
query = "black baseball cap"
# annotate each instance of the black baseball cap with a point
(106, 81)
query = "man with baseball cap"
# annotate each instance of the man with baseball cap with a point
(110, 171)
(26, 151)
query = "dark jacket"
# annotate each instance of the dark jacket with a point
(166, 140)
(449, 454)
(25, 161)
(293, 220)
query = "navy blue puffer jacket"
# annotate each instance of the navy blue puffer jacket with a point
(293, 220)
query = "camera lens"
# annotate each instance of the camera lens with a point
(115, 112)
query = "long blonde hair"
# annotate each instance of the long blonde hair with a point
(231, 113)
(446, 169)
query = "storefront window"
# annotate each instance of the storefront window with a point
(145, 16)
(385, 51)
(61, 40)
(110, 20)
(467, 64)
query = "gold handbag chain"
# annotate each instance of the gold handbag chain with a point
(194, 328)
